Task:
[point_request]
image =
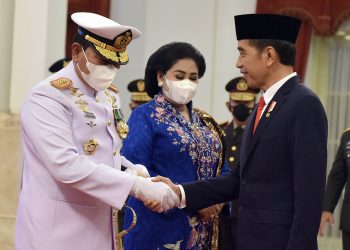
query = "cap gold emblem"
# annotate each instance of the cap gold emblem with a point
(242, 85)
(140, 86)
(122, 41)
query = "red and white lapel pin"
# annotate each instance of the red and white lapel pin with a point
(272, 106)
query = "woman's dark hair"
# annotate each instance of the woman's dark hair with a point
(285, 50)
(165, 57)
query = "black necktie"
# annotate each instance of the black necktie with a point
(237, 131)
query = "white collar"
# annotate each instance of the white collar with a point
(270, 92)
(69, 72)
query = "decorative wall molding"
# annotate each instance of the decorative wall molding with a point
(9, 121)
(325, 15)
(7, 217)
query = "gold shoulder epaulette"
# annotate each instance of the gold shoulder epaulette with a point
(346, 130)
(204, 116)
(202, 113)
(114, 88)
(223, 124)
(61, 83)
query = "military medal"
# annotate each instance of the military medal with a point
(66, 83)
(120, 124)
(75, 92)
(90, 147)
(111, 99)
(82, 105)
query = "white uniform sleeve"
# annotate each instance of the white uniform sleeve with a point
(46, 124)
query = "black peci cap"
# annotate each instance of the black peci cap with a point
(267, 26)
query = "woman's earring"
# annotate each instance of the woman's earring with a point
(160, 84)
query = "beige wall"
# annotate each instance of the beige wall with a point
(38, 41)
(33, 41)
(10, 172)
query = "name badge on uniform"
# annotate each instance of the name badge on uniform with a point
(89, 115)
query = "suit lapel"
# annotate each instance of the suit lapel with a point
(278, 100)
(247, 138)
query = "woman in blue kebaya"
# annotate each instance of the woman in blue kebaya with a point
(173, 139)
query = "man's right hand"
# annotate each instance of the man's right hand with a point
(327, 217)
(167, 181)
(162, 196)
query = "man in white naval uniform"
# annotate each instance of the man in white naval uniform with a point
(72, 131)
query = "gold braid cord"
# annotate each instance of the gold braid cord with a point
(119, 236)
(214, 127)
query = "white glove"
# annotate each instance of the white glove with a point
(134, 169)
(144, 189)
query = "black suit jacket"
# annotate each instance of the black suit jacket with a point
(281, 177)
(337, 178)
(233, 139)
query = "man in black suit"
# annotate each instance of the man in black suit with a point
(241, 103)
(281, 177)
(337, 178)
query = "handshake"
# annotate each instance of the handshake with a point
(158, 194)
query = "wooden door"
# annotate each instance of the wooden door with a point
(100, 7)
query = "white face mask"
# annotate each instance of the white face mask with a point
(100, 77)
(180, 92)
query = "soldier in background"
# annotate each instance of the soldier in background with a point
(59, 64)
(241, 103)
(338, 178)
(138, 93)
